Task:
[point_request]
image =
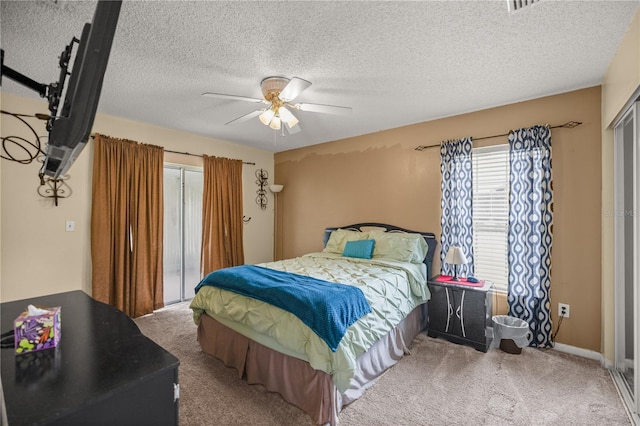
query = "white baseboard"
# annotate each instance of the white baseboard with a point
(607, 364)
(585, 353)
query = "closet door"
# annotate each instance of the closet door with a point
(626, 214)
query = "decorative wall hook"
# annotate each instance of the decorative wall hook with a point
(261, 199)
(54, 188)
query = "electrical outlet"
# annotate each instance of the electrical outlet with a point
(563, 310)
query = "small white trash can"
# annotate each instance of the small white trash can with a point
(512, 333)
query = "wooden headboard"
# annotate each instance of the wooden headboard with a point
(429, 237)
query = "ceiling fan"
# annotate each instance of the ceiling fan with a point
(279, 93)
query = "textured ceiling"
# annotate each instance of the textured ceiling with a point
(394, 63)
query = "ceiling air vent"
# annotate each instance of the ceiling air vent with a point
(515, 5)
(58, 4)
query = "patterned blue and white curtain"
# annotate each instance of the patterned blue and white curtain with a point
(457, 206)
(530, 230)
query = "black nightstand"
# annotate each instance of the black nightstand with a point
(461, 313)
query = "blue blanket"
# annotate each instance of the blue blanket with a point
(327, 308)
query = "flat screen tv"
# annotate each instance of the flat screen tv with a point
(71, 122)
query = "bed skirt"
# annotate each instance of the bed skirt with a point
(295, 380)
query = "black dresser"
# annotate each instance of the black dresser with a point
(461, 313)
(103, 372)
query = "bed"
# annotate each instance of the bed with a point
(288, 352)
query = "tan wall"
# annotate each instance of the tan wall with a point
(38, 257)
(623, 74)
(380, 177)
(619, 85)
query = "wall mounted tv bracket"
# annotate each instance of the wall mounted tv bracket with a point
(53, 91)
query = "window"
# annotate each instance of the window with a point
(491, 214)
(182, 231)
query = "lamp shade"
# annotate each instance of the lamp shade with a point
(287, 117)
(266, 116)
(275, 123)
(455, 256)
(276, 188)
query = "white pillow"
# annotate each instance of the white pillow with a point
(400, 246)
(338, 239)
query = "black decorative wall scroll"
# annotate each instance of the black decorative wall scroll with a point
(261, 199)
(54, 188)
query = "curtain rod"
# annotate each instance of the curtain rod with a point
(567, 125)
(187, 153)
(196, 155)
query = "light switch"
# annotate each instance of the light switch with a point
(70, 226)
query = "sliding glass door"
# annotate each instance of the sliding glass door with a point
(627, 237)
(182, 232)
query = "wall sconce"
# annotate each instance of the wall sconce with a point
(261, 199)
(54, 188)
(275, 189)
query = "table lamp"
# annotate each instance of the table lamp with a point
(455, 256)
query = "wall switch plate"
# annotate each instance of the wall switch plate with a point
(70, 226)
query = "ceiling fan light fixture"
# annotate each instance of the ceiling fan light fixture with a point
(272, 85)
(278, 92)
(267, 116)
(287, 117)
(275, 123)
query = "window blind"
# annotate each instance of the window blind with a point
(491, 213)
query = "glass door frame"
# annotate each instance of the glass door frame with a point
(620, 213)
(183, 169)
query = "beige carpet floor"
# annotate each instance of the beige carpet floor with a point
(439, 383)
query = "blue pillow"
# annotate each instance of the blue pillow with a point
(362, 249)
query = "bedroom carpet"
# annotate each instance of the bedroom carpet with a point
(440, 383)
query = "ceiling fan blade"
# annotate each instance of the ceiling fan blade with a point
(327, 109)
(245, 117)
(232, 97)
(287, 131)
(293, 89)
(292, 130)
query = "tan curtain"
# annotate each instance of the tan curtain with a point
(221, 214)
(126, 225)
